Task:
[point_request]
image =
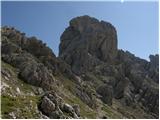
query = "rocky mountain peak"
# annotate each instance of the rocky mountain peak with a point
(91, 78)
(88, 41)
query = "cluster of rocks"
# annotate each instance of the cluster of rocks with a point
(36, 62)
(6, 74)
(15, 42)
(54, 107)
(106, 92)
(30, 69)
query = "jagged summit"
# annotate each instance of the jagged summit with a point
(88, 42)
(86, 23)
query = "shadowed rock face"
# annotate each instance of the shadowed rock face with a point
(87, 42)
(154, 67)
(106, 92)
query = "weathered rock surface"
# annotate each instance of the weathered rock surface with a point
(86, 42)
(86, 94)
(154, 67)
(54, 107)
(141, 83)
(47, 105)
(106, 92)
(15, 42)
(31, 71)
(37, 62)
(76, 109)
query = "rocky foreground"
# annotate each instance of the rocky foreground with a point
(91, 77)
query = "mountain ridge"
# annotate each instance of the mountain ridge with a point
(90, 71)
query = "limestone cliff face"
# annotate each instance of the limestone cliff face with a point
(87, 42)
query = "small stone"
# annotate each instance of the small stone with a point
(18, 90)
(106, 91)
(76, 109)
(5, 77)
(68, 108)
(40, 91)
(75, 116)
(12, 114)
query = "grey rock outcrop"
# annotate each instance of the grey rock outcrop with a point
(47, 105)
(154, 61)
(141, 83)
(54, 107)
(87, 42)
(85, 93)
(31, 71)
(76, 109)
(36, 62)
(15, 42)
(106, 92)
(68, 108)
(154, 67)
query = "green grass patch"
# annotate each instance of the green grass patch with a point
(110, 112)
(85, 111)
(10, 104)
(70, 98)
(107, 110)
(7, 105)
(6, 65)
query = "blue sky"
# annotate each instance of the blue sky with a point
(136, 22)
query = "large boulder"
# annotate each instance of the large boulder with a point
(87, 42)
(53, 106)
(47, 105)
(37, 74)
(106, 92)
(86, 94)
(76, 109)
(68, 108)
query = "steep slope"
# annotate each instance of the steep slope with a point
(18, 99)
(89, 46)
(91, 78)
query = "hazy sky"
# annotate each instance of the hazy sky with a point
(136, 22)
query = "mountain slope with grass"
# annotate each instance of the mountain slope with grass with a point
(91, 77)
